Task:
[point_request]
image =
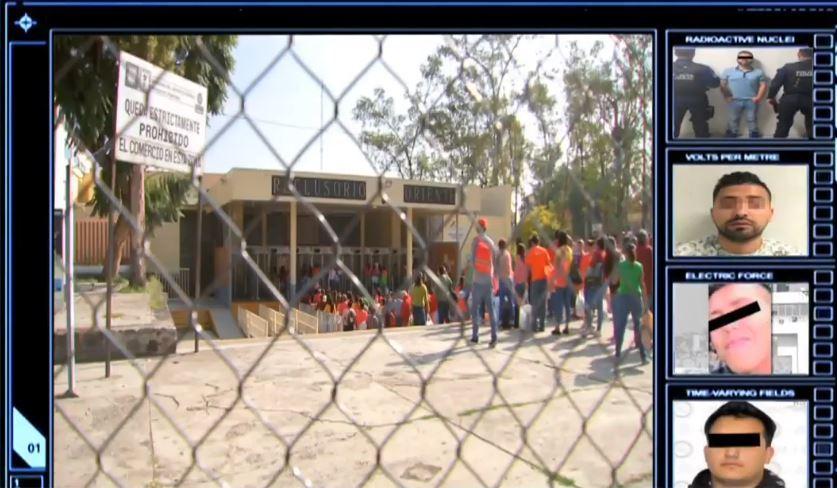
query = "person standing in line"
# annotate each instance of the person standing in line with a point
(333, 278)
(538, 261)
(462, 298)
(595, 287)
(612, 257)
(576, 278)
(432, 305)
(506, 285)
(630, 299)
(384, 280)
(362, 314)
(406, 309)
(560, 298)
(521, 275)
(375, 275)
(645, 256)
(446, 295)
(587, 247)
(483, 255)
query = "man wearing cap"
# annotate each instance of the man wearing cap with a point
(483, 255)
(796, 81)
(691, 82)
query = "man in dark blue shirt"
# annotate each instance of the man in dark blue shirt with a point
(796, 81)
(691, 82)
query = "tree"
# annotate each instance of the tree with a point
(609, 130)
(461, 124)
(541, 221)
(588, 157)
(85, 82)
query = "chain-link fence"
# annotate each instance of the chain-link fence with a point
(310, 404)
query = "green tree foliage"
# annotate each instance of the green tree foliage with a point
(461, 124)
(541, 221)
(609, 137)
(585, 157)
(85, 83)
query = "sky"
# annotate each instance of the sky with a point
(288, 106)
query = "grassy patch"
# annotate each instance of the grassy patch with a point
(128, 288)
(156, 295)
(561, 480)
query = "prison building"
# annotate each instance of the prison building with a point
(371, 217)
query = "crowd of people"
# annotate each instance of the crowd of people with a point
(387, 308)
(563, 280)
(524, 284)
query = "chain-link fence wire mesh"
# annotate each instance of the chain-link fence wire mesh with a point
(456, 342)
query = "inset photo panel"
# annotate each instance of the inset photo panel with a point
(740, 443)
(750, 92)
(740, 210)
(740, 328)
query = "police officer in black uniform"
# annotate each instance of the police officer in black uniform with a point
(691, 82)
(796, 79)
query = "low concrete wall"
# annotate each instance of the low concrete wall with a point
(157, 339)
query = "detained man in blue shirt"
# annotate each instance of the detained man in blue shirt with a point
(744, 88)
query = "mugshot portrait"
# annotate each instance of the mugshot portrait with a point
(742, 92)
(740, 210)
(740, 346)
(784, 456)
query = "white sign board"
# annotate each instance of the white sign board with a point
(160, 117)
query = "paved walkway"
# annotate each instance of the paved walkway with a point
(546, 382)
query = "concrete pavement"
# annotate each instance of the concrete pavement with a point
(425, 395)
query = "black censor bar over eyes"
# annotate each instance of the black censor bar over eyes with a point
(737, 314)
(734, 440)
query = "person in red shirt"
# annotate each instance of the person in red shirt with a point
(362, 315)
(645, 257)
(434, 306)
(538, 260)
(461, 301)
(342, 306)
(406, 309)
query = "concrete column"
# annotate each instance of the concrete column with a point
(395, 243)
(234, 244)
(293, 232)
(264, 228)
(363, 249)
(395, 231)
(264, 260)
(410, 245)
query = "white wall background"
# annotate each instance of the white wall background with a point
(692, 200)
(767, 59)
(690, 305)
(790, 443)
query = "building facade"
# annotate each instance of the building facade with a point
(370, 217)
